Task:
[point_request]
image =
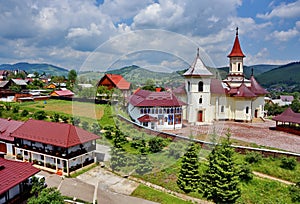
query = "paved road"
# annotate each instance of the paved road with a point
(107, 188)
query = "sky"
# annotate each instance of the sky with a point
(155, 34)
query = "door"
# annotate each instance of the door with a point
(200, 116)
(255, 113)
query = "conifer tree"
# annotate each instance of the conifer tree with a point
(188, 179)
(220, 181)
(144, 164)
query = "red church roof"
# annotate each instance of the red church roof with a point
(148, 98)
(236, 49)
(244, 91)
(57, 134)
(256, 88)
(13, 172)
(117, 80)
(288, 116)
(7, 126)
(63, 93)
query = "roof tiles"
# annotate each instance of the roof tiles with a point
(57, 134)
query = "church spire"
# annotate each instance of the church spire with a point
(236, 49)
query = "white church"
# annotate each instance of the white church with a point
(209, 99)
(202, 99)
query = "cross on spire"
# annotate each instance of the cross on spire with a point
(198, 51)
(237, 30)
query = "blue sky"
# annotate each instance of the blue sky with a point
(158, 34)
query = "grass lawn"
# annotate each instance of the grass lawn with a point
(88, 110)
(145, 192)
(256, 191)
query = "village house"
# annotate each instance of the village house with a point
(7, 126)
(59, 147)
(155, 110)
(115, 81)
(62, 93)
(209, 99)
(13, 180)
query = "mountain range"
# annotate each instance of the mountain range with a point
(287, 75)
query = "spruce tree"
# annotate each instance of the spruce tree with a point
(220, 181)
(144, 164)
(188, 179)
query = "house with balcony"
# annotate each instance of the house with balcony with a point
(59, 147)
(155, 110)
(13, 180)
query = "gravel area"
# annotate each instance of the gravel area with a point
(256, 132)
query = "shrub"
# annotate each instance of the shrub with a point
(85, 125)
(65, 118)
(288, 163)
(24, 113)
(253, 157)
(40, 115)
(245, 173)
(15, 109)
(295, 192)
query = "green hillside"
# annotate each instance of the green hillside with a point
(40, 68)
(287, 74)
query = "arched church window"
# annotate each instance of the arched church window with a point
(239, 66)
(200, 86)
(189, 86)
(200, 100)
(247, 109)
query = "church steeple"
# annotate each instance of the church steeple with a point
(236, 49)
(236, 57)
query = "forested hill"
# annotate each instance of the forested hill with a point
(39, 68)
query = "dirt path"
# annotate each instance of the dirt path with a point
(272, 178)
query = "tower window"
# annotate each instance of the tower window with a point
(189, 86)
(200, 86)
(200, 100)
(239, 66)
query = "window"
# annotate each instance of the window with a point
(239, 66)
(247, 109)
(222, 109)
(200, 100)
(42, 157)
(200, 86)
(189, 86)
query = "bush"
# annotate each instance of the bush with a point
(24, 113)
(245, 173)
(295, 192)
(85, 125)
(156, 144)
(288, 163)
(253, 157)
(15, 109)
(40, 115)
(65, 118)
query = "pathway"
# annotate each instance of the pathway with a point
(272, 178)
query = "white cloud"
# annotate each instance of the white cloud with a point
(284, 35)
(284, 10)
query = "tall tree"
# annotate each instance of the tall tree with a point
(72, 76)
(220, 181)
(47, 196)
(188, 179)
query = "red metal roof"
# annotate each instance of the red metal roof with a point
(148, 98)
(147, 118)
(244, 91)
(288, 116)
(216, 87)
(7, 127)
(57, 134)
(13, 172)
(256, 88)
(236, 49)
(117, 80)
(64, 93)
(287, 98)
